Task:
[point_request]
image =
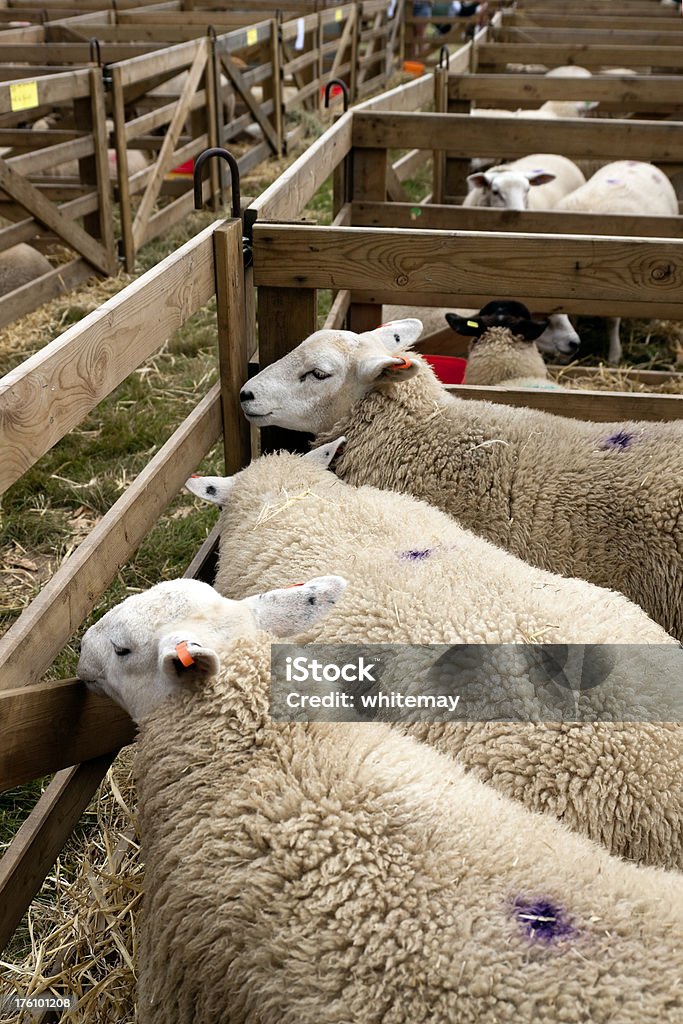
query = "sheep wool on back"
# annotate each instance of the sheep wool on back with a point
(599, 501)
(327, 874)
(416, 576)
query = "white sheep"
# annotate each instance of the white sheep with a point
(535, 182)
(319, 874)
(416, 576)
(559, 337)
(20, 265)
(504, 346)
(623, 187)
(593, 500)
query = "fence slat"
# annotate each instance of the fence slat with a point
(50, 393)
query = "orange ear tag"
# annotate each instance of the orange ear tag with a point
(292, 585)
(405, 365)
(184, 655)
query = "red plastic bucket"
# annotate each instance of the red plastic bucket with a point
(449, 369)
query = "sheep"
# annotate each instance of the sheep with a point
(416, 576)
(503, 349)
(598, 501)
(509, 186)
(623, 187)
(320, 874)
(20, 265)
(559, 337)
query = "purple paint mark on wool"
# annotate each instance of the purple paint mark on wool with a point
(542, 920)
(613, 181)
(415, 555)
(618, 441)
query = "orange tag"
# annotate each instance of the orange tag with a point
(184, 655)
(291, 585)
(401, 366)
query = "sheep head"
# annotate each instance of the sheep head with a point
(507, 188)
(170, 638)
(315, 384)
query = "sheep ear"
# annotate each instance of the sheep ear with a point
(478, 180)
(397, 333)
(539, 177)
(185, 660)
(323, 455)
(530, 329)
(465, 325)
(394, 368)
(292, 610)
(215, 489)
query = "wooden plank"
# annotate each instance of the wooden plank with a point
(462, 218)
(42, 289)
(289, 194)
(232, 343)
(31, 644)
(244, 91)
(585, 37)
(338, 310)
(286, 316)
(170, 60)
(554, 54)
(51, 392)
(463, 135)
(522, 19)
(644, 92)
(51, 89)
(596, 406)
(165, 160)
(570, 273)
(41, 837)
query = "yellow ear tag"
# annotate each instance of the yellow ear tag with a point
(472, 323)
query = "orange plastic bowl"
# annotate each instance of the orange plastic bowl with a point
(449, 369)
(413, 67)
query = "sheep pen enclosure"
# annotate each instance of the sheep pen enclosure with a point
(382, 245)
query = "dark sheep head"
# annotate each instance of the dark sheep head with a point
(499, 313)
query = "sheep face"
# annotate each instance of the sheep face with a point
(559, 337)
(507, 190)
(316, 383)
(162, 642)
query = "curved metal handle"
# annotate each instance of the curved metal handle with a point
(344, 88)
(95, 51)
(442, 62)
(234, 178)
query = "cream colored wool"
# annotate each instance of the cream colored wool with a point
(20, 265)
(329, 874)
(600, 501)
(287, 519)
(500, 357)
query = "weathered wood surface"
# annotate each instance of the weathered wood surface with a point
(463, 135)
(571, 20)
(462, 218)
(586, 36)
(596, 406)
(571, 273)
(635, 93)
(51, 392)
(590, 56)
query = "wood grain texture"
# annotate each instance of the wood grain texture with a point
(570, 273)
(596, 406)
(463, 135)
(590, 56)
(52, 391)
(645, 92)
(232, 343)
(463, 218)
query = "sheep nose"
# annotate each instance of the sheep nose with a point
(246, 395)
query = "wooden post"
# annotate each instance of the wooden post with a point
(272, 89)
(455, 170)
(89, 116)
(232, 342)
(438, 156)
(126, 213)
(212, 92)
(285, 316)
(369, 184)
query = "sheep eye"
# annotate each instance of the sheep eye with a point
(120, 652)
(316, 374)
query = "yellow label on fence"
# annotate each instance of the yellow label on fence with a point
(338, 14)
(23, 95)
(252, 36)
